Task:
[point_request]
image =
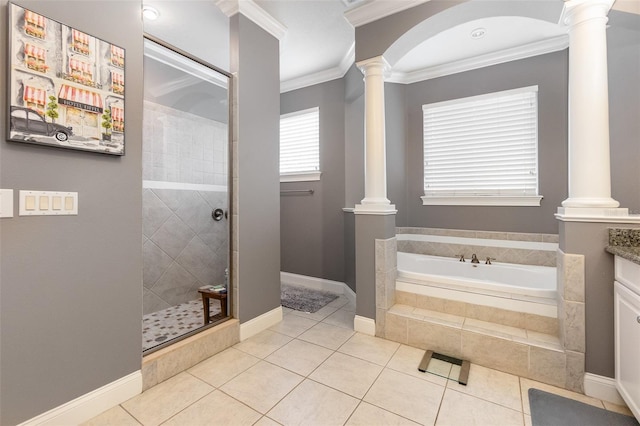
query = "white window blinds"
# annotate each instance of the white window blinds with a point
(300, 142)
(482, 146)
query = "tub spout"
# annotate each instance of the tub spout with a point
(474, 258)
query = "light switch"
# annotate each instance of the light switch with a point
(68, 203)
(6, 202)
(56, 202)
(43, 202)
(30, 202)
(48, 203)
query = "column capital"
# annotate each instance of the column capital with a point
(578, 11)
(374, 65)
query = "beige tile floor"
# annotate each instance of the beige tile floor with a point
(314, 370)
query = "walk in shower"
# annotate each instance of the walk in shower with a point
(185, 195)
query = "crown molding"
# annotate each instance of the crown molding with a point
(321, 76)
(258, 15)
(521, 52)
(373, 10)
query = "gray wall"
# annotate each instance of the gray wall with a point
(312, 226)
(623, 43)
(589, 239)
(255, 58)
(71, 287)
(350, 250)
(396, 144)
(369, 228)
(549, 72)
(374, 39)
(354, 165)
(354, 137)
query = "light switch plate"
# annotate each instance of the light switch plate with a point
(48, 203)
(6, 202)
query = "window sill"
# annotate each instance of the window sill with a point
(529, 201)
(300, 177)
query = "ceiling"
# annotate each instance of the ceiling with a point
(318, 41)
(318, 36)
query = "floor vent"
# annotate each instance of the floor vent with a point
(427, 366)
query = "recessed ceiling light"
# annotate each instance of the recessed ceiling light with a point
(150, 13)
(478, 33)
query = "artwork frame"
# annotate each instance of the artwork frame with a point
(66, 88)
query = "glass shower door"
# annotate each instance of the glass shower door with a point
(185, 195)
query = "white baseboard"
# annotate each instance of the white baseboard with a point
(602, 388)
(318, 284)
(91, 404)
(260, 323)
(349, 294)
(364, 325)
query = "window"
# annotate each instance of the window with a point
(300, 146)
(482, 150)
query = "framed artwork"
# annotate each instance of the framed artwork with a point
(66, 87)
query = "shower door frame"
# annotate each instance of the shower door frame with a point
(229, 212)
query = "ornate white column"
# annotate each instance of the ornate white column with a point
(589, 160)
(375, 170)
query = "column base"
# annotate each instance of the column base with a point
(591, 202)
(381, 209)
(596, 214)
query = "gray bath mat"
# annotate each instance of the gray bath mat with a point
(305, 299)
(552, 410)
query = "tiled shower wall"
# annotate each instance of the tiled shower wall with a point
(183, 147)
(183, 247)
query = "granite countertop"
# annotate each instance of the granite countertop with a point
(625, 242)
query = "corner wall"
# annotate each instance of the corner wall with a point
(312, 225)
(255, 62)
(71, 286)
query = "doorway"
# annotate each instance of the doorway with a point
(186, 194)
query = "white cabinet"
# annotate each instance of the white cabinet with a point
(627, 332)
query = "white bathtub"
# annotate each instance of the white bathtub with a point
(523, 288)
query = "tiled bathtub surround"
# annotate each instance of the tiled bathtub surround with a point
(500, 254)
(571, 314)
(510, 318)
(540, 348)
(386, 272)
(515, 350)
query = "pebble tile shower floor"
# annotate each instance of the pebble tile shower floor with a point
(159, 327)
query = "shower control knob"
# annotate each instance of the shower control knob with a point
(638, 319)
(217, 214)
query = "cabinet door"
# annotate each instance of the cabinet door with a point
(627, 342)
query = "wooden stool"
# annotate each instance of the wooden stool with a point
(208, 294)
